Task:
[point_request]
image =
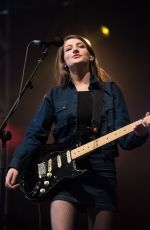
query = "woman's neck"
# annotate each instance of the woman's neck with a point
(81, 82)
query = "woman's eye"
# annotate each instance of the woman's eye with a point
(78, 46)
(67, 49)
(82, 46)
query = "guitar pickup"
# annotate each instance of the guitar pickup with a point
(59, 162)
(68, 156)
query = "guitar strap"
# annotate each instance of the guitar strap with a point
(97, 97)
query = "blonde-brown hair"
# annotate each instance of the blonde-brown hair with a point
(62, 72)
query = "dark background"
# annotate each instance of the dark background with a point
(125, 56)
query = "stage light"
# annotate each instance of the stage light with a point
(104, 30)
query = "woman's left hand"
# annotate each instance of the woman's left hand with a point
(141, 127)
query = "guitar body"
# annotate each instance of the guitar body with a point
(42, 179)
(44, 175)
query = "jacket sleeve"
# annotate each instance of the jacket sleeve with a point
(131, 140)
(36, 133)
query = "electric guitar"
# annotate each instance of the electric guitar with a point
(44, 176)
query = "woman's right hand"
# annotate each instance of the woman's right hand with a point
(11, 178)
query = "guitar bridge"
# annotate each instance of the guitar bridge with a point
(41, 169)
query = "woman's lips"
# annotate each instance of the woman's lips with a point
(76, 56)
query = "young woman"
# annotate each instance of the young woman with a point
(84, 105)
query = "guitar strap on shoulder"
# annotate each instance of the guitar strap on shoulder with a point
(97, 98)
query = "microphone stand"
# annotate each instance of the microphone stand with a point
(6, 136)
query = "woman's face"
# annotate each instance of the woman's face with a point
(75, 52)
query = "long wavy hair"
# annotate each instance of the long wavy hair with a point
(62, 74)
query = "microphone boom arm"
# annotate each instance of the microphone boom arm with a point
(27, 85)
(6, 135)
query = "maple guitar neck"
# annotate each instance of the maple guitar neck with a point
(92, 145)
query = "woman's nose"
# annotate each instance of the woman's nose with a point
(75, 50)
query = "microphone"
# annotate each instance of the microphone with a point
(57, 41)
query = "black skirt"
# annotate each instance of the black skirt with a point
(97, 188)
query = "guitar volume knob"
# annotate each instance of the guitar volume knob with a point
(42, 190)
(46, 183)
(49, 175)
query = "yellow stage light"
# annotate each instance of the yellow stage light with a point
(105, 31)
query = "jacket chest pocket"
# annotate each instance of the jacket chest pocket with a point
(61, 108)
(61, 114)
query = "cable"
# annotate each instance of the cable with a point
(23, 73)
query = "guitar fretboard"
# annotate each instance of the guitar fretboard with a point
(92, 145)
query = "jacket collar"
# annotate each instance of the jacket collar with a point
(95, 83)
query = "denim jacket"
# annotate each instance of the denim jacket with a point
(58, 111)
